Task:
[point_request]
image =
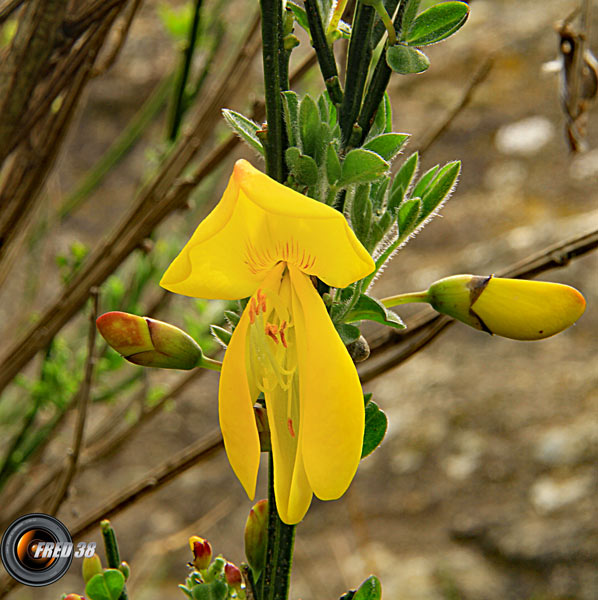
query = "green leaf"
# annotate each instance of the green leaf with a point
(409, 216)
(221, 334)
(361, 166)
(440, 188)
(436, 23)
(361, 211)
(300, 15)
(245, 128)
(424, 181)
(387, 145)
(216, 590)
(303, 167)
(402, 181)
(370, 589)
(105, 586)
(406, 60)
(348, 333)
(232, 317)
(409, 14)
(290, 106)
(309, 125)
(369, 309)
(333, 164)
(376, 425)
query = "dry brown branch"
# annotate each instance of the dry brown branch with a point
(8, 8)
(27, 57)
(402, 346)
(82, 402)
(478, 77)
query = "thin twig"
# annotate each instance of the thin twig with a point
(478, 78)
(405, 345)
(7, 9)
(82, 402)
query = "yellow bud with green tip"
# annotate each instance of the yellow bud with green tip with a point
(91, 566)
(519, 309)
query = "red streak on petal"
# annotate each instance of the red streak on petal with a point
(290, 426)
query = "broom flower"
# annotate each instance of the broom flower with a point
(265, 241)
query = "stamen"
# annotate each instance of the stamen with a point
(272, 331)
(283, 339)
(261, 298)
(290, 426)
(252, 310)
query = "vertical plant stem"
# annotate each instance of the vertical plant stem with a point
(179, 106)
(112, 551)
(358, 62)
(275, 580)
(272, 47)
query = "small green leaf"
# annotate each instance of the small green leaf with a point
(440, 188)
(387, 145)
(361, 166)
(245, 128)
(402, 181)
(367, 398)
(105, 586)
(409, 14)
(303, 167)
(300, 15)
(232, 317)
(361, 211)
(216, 590)
(309, 125)
(409, 215)
(333, 164)
(406, 60)
(368, 308)
(348, 333)
(376, 425)
(221, 334)
(436, 23)
(290, 106)
(424, 181)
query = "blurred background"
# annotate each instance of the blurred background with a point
(485, 486)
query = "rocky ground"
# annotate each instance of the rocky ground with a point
(485, 487)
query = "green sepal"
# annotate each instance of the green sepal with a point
(436, 23)
(369, 309)
(309, 125)
(245, 128)
(348, 333)
(302, 167)
(406, 60)
(370, 589)
(105, 586)
(221, 334)
(290, 106)
(216, 590)
(361, 166)
(387, 145)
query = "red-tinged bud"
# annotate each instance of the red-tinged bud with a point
(233, 576)
(149, 343)
(73, 597)
(263, 429)
(91, 566)
(256, 535)
(202, 552)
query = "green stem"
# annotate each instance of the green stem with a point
(323, 52)
(112, 551)
(210, 363)
(408, 298)
(273, 50)
(179, 105)
(383, 258)
(358, 62)
(275, 580)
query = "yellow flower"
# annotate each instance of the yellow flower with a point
(265, 240)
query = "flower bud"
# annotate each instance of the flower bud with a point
(72, 597)
(149, 343)
(202, 552)
(514, 308)
(91, 566)
(233, 576)
(125, 569)
(256, 535)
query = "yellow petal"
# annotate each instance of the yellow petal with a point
(332, 410)
(235, 407)
(257, 223)
(528, 310)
